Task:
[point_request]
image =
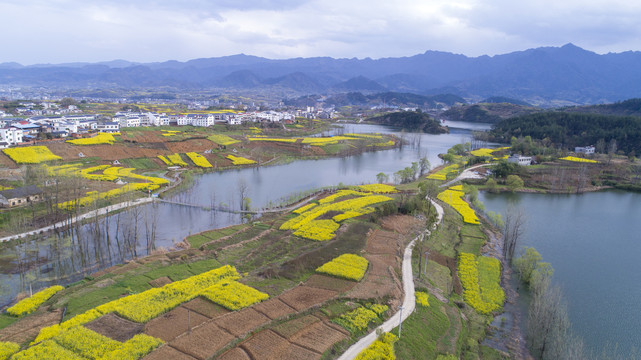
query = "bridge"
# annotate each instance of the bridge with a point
(232, 211)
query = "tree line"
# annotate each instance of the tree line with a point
(567, 130)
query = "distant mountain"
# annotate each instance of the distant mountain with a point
(506, 100)
(359, 83)
(630, 107)
(487, 112)
(546, 76)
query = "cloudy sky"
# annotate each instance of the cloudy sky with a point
(56, 31)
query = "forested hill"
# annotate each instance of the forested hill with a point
(631, 107)
(572, 129)
(411, 121)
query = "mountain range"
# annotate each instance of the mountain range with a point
(554, 76)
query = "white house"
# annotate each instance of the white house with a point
(11, 135)
(588, 150)
(111, 126)
(521, 160)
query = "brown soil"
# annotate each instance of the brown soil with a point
(235, 354)
(203, 342)
(241, 322)
(274, 308)
(293, 327)
(160, 282)
(270, 346)
(167, 352)
(28, 328)
(5, 161)
(318, 337)
(381, 251)
(115, 327)
(403, 224)
(329, 283)
(104, 151)
(205, 307)
(304, 297)
(195, 145)
(170, 325)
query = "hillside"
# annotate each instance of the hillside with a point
(487, 112)
(410, 121)
(569, 130)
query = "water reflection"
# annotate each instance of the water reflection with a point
(70, 255)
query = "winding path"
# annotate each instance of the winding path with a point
(409, 301)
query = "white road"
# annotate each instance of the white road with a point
(409, 301)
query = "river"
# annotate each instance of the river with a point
(68, 257)
(592, 240)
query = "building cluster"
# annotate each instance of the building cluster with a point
(18, 130)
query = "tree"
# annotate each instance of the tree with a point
(382, 178)
(242, 192)
(548, 324)
(424, 165)
(512, 231)
(612, 149)
(527, 263)
(514, 182)
(491, 184)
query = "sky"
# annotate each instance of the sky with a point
(60, 31)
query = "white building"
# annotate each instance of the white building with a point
(11, 135)
(521, 160)
(111, 126)
(588, 150)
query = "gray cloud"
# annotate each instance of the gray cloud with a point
(147, 30)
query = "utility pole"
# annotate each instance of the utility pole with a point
(400, 320)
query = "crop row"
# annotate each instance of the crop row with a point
(481, 280)
(381, 349)
(442, 174)
(31, 304)
(378, 188)
(347, 266)
(238, 160)
(30, 154)
(221, 139)
(233, 295)
(454, 197)
(306, 225)
(81, 343)
(199, 160)
(360, 318)
(101, 138)
(149, 304)
(175, 159)
(578, 159)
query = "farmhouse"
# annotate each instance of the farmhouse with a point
(20, 196)
(521, 160)
(588, 150)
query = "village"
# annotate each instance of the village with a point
(51, 120)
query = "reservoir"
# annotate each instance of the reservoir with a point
(593, 242)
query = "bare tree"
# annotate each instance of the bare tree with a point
(243, 188)
(548, 324)
(612, 149)
(512, 231)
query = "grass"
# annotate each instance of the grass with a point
(140, 163)
(421, 332)
(87, 294)
(440, 276)
(6, 320)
